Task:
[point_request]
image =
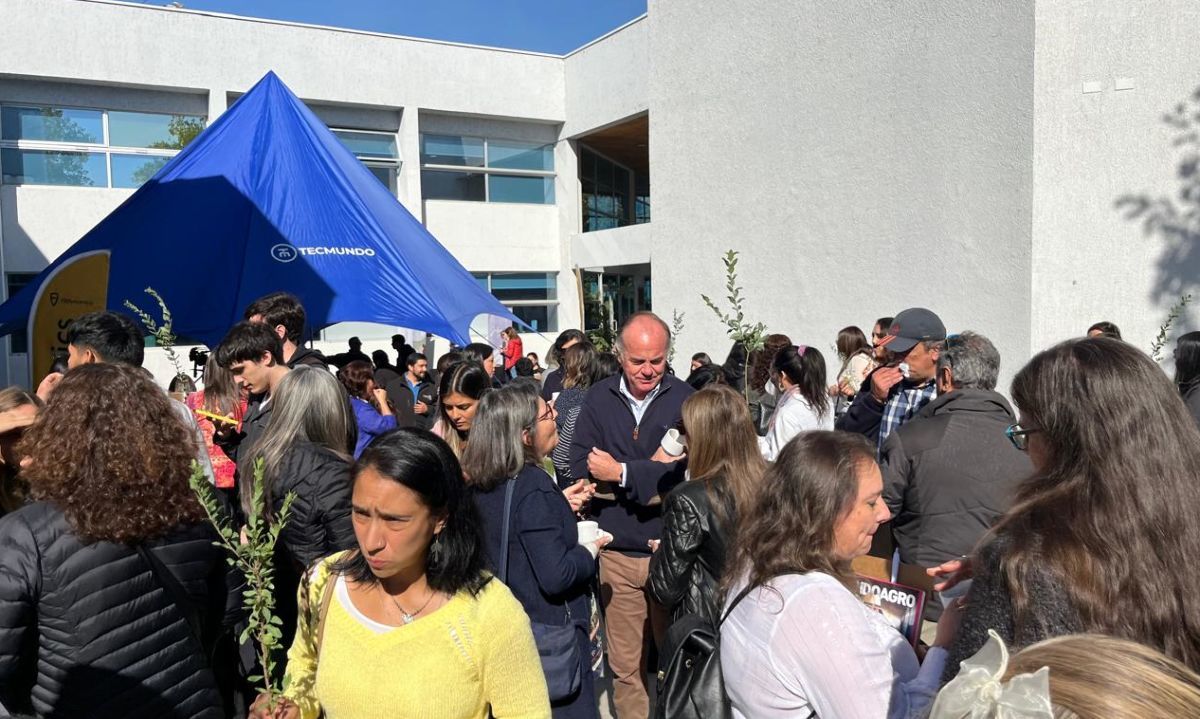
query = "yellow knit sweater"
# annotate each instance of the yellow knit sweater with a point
(473, 654)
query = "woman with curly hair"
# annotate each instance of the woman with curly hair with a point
(112, 593)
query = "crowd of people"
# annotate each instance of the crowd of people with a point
(480, 536)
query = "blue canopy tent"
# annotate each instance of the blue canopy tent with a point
(268, 199)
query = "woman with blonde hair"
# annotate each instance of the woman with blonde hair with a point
(1077, 676)
(700, 516)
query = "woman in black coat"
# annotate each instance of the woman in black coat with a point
(305, 451)
(112, 594)
(700, 515)
(549, 568)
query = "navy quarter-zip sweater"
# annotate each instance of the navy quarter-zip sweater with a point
(606, 421)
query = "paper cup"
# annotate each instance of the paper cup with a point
(671, 443)
(589, 532)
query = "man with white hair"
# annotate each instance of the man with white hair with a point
(618, 431)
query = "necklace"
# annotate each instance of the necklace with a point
(409, 617)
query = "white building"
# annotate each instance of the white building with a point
(863, 157)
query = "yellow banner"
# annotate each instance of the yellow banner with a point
(76, 287)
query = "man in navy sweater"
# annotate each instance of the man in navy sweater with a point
(620, 426)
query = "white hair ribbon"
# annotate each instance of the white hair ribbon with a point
(978, 693)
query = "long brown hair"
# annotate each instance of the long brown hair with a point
(111, 452)
(1110, 514)
(12, 489)
(760, 360)
(723, 449)
(221, 393)
(578, 364)
(789, 527)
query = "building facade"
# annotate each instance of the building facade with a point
(863, 159)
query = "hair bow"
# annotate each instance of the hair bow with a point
(978, 693)
(801, 349)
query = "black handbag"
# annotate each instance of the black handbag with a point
(558, 647)
(690, 685)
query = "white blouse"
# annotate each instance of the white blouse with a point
(807, 646)
(793, 415)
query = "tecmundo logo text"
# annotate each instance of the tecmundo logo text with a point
(287, 253)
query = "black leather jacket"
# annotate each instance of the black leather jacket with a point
(686, 569)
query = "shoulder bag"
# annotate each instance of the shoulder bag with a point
(558, 647)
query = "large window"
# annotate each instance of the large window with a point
(378, 152)
(83, 147)
(612, 194)
(532, 296)
(477, 169)
(18, 281)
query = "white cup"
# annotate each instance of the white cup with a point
(672, 444)
(589, 532)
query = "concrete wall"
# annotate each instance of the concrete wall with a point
(1092, 148)
(870, 157)
(608, 80)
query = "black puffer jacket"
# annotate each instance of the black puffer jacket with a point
(90, 631)
(686, 569)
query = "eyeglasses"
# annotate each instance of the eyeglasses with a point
(1019, 436)
(548, 414)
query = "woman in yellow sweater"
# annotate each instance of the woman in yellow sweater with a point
(412, 624)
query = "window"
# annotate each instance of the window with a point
(531, 296)
(612, 195)
(89, 148)
(476, 169)
(378, 152)
(17, 281)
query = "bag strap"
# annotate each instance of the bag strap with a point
(326, 597)
(738, 600)
(508, 495)
(174, 590)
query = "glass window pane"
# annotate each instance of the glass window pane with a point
(481, 278)
(135, 170)
(56, 124)
(369, 144)
(152, 130)
(543, 318)
(42, 167)
(449, 185)
(451, 150)
(510, 188)
(17, 281)
(520, 155)
(386, 174)
(508, 286)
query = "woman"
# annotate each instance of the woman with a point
(798, 373)
(18, 410)
(412, 625)
(538, 369)
(856, 355)
(305, 450)
(764, 397)
(1098, 538)
(372, 411)
(553, 381)
(90, 624)
(791, 595)
(459, 392)
(700, 515)
(1187, 371)
(549, 568)
(879, 332)
(577, 364)
(513, 350)
(700, 359)
(223, 397)
(1088, 676)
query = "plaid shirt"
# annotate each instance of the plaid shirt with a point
(901, 406)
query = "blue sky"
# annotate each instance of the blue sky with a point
(553, 26)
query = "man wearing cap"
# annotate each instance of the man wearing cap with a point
(895, 392)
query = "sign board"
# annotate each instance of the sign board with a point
(74, 288)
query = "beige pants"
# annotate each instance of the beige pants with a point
(629, 615)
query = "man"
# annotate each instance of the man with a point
(619, 428)
(384, 371)
(414, 390)
(111, 337)
(355, 354)
(896, 391)
(253, 353)
(553, 382)
(403, 349)
(284, 314)
(950, 471)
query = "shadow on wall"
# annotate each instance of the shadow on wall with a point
(1176, 220)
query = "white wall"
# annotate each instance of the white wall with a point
(865, 158)
(608, 80)
(1089, 262)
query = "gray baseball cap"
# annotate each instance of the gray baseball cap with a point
(912, 326)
